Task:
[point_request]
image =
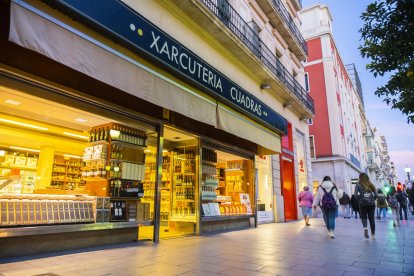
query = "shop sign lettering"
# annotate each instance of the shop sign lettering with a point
(131, 29)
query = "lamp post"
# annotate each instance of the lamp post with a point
(408, 170)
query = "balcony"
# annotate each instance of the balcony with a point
(228, 28)
(372, 166)
(283, 22)
(297, 4)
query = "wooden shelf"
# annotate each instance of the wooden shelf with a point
(20, 168)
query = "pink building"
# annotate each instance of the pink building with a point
(336, 136)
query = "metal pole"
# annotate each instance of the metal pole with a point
(158, 173)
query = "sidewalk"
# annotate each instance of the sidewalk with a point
(272, 249)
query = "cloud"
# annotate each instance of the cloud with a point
(402, 159)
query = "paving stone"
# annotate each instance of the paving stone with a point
(271, 249)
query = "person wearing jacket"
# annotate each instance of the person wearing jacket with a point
(394, 205)
(305, 202)
(355, 206)
(402, 200)
(329, 215)
(381, 205)
(366, 194)
(345, 202)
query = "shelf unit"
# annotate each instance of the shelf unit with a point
(210, 183)
(115, 168)
(67, 173)
(184, 178)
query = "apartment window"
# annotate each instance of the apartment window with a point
(307, 87)
(312, 146)
(254, 38)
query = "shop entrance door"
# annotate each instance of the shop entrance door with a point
(288, 186)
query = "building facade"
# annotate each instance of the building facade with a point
(336, 136)
(149, 119)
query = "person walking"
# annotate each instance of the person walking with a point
(381, 205)
(394, 205)
(305, 202)
(345, 202)
(366, 194)
(410, 195)
(355, 206)
(327, 196)
(402, 200)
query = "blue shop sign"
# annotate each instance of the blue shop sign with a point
(120, 21)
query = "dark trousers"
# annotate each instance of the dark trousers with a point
(403, 208)
(368, 212)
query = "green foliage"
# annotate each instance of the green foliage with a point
(388, 43)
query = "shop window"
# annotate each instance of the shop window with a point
(226, 187)
(72, 166)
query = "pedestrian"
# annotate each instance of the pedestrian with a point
(402, 200)
(327, 196)
(345, 202)
(355, 206)
(394, 205)
(410, 195)
(366, 193)
(381, 205)
(305, 202)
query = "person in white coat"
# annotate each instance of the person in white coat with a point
(329, 211)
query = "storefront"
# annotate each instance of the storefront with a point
(109, 148)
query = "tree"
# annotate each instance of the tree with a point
(388, 42)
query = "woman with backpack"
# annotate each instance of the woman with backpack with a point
(327, 197)
(381, 205)
(305, 202)
(394, 205)
(366, 194)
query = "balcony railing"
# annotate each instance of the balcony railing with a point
(225, 12)
(278, 6)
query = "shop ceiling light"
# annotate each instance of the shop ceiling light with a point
(265, 86)
(23, 124)
(2, 152)
(13, 102)
(76, 135)
(25, 149)
(72, 156)
(81, 120)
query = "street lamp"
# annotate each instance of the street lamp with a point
(408, 170)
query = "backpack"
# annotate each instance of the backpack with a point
(328, 201)
(367, 198)
(392, 201)
(381, 200)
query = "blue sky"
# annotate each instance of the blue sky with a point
(390, 123)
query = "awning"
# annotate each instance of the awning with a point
(38, 31)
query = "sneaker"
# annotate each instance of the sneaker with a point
(307, 224)
(394, 224)
(372, 237)
(332, 235)
(366, 233)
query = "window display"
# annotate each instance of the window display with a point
(226, 184)
(72, 167)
